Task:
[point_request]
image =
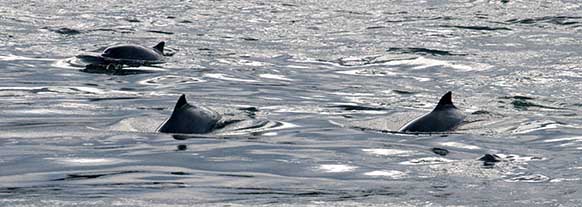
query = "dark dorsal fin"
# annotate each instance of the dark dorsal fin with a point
(446, 101)
(160, 47)
(181, 102)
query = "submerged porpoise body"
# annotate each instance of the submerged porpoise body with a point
(444, 117)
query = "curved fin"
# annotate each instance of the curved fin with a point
(181, 102)
(160, 47)
(446, 101)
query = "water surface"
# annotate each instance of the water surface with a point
(320, 84)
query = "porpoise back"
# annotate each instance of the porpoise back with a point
(135, 52)
(444, 117)
(190, 119)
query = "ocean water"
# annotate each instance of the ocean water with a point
(320, 85)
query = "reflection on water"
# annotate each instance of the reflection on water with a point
(394, 174)
(337, 168)
(87, 161)
(314, 92)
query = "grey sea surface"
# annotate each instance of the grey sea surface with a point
(320, 86)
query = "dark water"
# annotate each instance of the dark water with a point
(317, 83)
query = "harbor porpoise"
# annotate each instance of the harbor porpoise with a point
(191, 119)
(444, 117)
(118, 56)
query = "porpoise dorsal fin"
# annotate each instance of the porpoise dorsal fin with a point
(160, 47)
(446, 101)
(181, 102)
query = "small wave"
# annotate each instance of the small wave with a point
(249, 39)
(375, 27)
(322, 195)
(160, 32)
(426, 161)
(557, 20)
(225, 77)
(519, 158)
(253, 127)
(77, 64)
(422, 51)
(85, 161)
(170, 80)
(394, 174)
(535, 178)
(11, 57)
(337, 168)
(365, 60)
(524, 103)
(243, 62)
(61, 90)
(88, 176)
(350, 107)
(390, 152)
(413, 63)
(537, 125)
(423, 63)
(63, 30)
(478, 28)
(460, 145)
(370, 72)
(275, 77)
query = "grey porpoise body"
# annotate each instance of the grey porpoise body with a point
(190, 119)
(444, 117)
(115, 57)
(135, 52)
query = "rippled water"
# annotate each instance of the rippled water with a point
(320, 85)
